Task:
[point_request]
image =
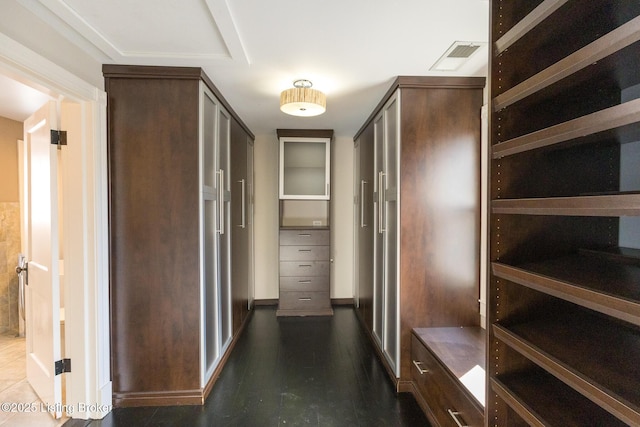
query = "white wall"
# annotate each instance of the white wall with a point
(267, 215)
(342, 217)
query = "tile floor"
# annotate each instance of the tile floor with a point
(286, 372)
(15, 389)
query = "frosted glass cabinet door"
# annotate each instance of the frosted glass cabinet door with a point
(304, 168)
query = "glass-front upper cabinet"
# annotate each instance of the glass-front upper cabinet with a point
(305, 167)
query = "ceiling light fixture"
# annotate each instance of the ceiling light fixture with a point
(303, 101)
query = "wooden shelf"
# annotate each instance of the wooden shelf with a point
(533, 39)
(539, 14)
(623, 204)
(541, 400)
(606, 45)
(564, 321)
(580, 350)
(593, 281)
(610, 118)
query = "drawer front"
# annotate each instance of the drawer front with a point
(304, 300)
(306, 284)
(309, 237)
(304, 268)
(304, 253)
(443, 394)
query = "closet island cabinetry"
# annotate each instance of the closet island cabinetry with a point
(417, 223)
(171, 138)
(564, 288)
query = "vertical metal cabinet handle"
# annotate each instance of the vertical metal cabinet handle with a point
(419, 368)
(455, 415)
(221, 219)
(242, 183)
(380, 197)
(383, 207)
(363, 183)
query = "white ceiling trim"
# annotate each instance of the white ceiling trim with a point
(173, 55)
(221, 14)
(80, 32)
(73, 27)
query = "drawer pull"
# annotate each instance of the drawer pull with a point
(304, 299)
(455, 416)
(304, 250)
(304, 235)
(304, 265)
(304, 281)
(419, 368)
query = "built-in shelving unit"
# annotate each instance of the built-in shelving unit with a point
(564, 293)
(305, 233)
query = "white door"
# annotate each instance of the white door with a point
(42, 291)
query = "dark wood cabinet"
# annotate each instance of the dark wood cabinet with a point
(169, 197)
(364, 206)
(564, 285)
(448, 371)
(418, 228)
(304, 272)
(305, 233)
(241, 222)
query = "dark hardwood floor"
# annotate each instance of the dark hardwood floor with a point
(302, 371)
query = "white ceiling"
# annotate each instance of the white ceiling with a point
(253, 49)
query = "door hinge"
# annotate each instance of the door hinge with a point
(58, 137)
(62, 366)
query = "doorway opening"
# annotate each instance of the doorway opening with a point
(85, 231)
(23, 211)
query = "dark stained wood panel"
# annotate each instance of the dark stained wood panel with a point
(153, 166)
(240, 205)
(366, 227)
(439, 232)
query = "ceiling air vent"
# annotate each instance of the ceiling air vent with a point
(457, 54)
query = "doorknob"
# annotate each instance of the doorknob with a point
(22, 267)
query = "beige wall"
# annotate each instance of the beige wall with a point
(267, 214)
(10, 132)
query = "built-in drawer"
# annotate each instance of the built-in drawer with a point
(304, 253)
(444, 395)
(304, 283)
(304, 237)
(304, 268)
(291, 300)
